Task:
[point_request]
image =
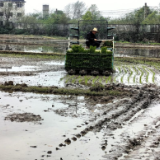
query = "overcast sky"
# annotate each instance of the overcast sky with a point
(103, 5)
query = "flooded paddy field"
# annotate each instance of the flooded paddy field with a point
(55, 48)
(40, 126)
(48, 114)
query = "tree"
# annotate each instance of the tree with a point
(153, 18)
(75, 10)
(31, 18)
(136, 17)
(87, 16)
(95, 12)
(57, 17)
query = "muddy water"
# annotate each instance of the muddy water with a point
(41, 73)
(126, 74)
(53, 48)
(137, 52)
(52, 73)
(24, 141)
(114, 127)
(18, 69)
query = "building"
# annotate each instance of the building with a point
(11, 10)
(45, 11)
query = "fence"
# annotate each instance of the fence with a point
(123, 32)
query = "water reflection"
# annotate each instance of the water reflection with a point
(138, 52)
(61, 48)
(33, 48)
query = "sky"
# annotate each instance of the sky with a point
(103, 5)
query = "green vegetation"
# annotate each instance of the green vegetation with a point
(142, 73)
(92, 49)
(86, 79)
(68, 79)
(155, 62)
(147, 76)
(95, 80)
(136, 17)
(126, 67)
(108, 44)
(73, 80)
(80, 79)
(131, 73)
(153, 77)
(60, 91)
(80, 59)
(55, 56)
(109, 79)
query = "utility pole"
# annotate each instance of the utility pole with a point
(145, 10)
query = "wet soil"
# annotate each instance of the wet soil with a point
(98, 126)
(33, 71)
(73, 127)
(24, 117)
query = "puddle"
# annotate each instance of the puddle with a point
(41, 79)
(19, 69)
(55, 63)
(55, 48)
(34, 141)
(137, 52)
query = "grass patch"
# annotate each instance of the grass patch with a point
(147, 73)
(35, 56)
(134, 78)
(153, 77)
(61, 91)
(142, 73)
(80, 78)
(68, 78)
(131, 73)
(95, 79)
(74, 78)
(140, 60)
(86, 79)
(109, 79)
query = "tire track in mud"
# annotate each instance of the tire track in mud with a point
(149, 146)
(114, 118)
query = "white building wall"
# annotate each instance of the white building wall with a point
(16, 9)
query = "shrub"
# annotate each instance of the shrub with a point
(77, 49)
(92, 49)
(98, 87)
(108, 43)
(104, 50)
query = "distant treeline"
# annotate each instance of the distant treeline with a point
(140, 25)
(78, 11)
(122, 32)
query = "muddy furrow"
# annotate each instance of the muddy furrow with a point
(110, 115)
(121, 145)
(113, 119)
(149, 148)
(149, 143)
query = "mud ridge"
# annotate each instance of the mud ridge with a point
(23, 117)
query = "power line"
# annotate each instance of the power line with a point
(121, 12)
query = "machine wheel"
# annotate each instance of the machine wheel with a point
(71, 72)
(82, 72)
(95, 72)
(106, 73)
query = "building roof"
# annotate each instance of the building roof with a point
(12, 0)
